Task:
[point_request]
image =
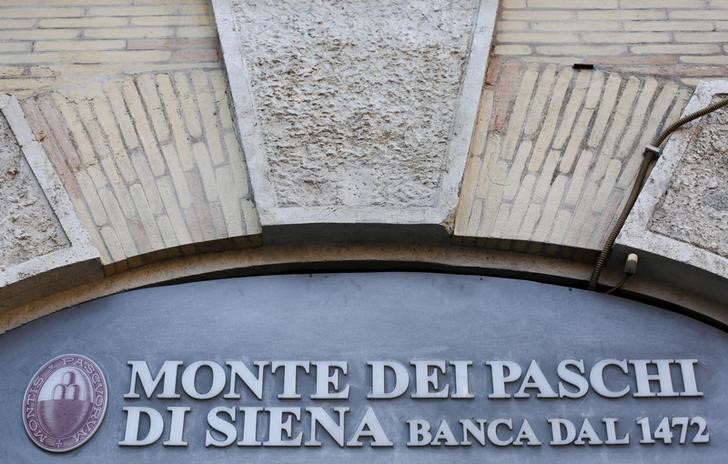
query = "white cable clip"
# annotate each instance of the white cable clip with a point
(630, 266)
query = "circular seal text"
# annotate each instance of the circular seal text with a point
(65, 403)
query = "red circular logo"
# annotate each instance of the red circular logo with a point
(65, 403)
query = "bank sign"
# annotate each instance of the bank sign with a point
(382, 367)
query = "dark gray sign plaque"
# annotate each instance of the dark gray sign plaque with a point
(472, 353)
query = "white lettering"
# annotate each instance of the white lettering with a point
(189, 376)
(131, 434)
(218, 424)
(370, 427)
(500, 378)
(401, 379)
(327, 380)
(596, 378)
(168, 372)
(254, 383)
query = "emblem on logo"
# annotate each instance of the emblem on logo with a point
(65, 403)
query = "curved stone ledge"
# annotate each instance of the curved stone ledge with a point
(334, 257)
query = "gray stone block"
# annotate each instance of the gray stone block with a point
(355, 112)
(679, 219)
(44, 245)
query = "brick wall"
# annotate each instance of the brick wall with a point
(550, 166)
(545, 183)
(131, 104)
(151, 162)
(43, 42)
(685, 38)
(556, 153)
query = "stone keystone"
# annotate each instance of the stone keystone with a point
(355, 111)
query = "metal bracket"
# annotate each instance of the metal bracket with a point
(655, 151)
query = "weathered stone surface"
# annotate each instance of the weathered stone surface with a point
(695, 207)
(349, 105)
(680, 215)
(43, 246)
(346, 117)
(28, 226)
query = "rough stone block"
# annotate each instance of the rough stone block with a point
(366, 117)
(681, 215)
(41, 238)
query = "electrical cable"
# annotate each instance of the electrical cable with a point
(650, 153)
(618, 285)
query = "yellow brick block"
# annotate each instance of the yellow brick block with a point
(201, 8)
(146, 216)
(571, 4)
(701, 37)
(120, 56)
(62, 45)
(83, 22)
(177, 174)
(118, 222)
(219, 85)
(697, 4)
(692, 49)
(565, 26)
(625, 37)
(715, 59)
(620, 15)
(229, 201)
(189, 106)
(581, 50)
(90, 195)
(171, 106)
(10, 47)
(699, 14)
(537, 37)
(191, 32)
(138, 115)
(537, 15)
(668, 26)
(512, 50)
(16, 23)
(35, 12)
(176, 217)
(204, 166)
(202, 20)
(148, 90)
(39, 34)
(130, 33)
(156, 10)
(502, 26)
(208, 111)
